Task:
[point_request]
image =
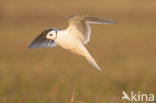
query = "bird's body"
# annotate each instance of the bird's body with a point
(73, 44)
(73, 38)
(66, 40)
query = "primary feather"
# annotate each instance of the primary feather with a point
(79, 25)
(42, 41)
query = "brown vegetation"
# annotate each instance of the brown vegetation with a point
(126, 52)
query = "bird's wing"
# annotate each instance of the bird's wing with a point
(79, 25)
(41, 41)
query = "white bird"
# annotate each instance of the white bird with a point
(73, 37)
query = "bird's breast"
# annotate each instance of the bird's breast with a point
(67, 41)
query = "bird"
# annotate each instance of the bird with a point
(73, 38)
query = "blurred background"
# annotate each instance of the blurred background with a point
(126, 52)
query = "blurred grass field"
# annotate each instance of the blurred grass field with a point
(126, 52)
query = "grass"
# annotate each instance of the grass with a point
(125, 52)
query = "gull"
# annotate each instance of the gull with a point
(73, 38)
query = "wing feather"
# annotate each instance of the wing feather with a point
(79, 25)
(42, 41)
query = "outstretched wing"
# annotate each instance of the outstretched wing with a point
(79, 25)
(42, 41)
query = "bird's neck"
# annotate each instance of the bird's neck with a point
(60, 35)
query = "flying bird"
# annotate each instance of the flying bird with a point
(73, 38)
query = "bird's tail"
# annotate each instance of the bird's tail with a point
(92, 61)
(89, 58)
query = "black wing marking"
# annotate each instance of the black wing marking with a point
(41, 41)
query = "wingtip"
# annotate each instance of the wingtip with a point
(31, 47)
(114, 22)
(98, 68)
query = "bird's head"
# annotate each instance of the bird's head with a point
(52, 34)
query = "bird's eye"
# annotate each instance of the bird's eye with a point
(50, 34)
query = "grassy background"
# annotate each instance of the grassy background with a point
(126, 52)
